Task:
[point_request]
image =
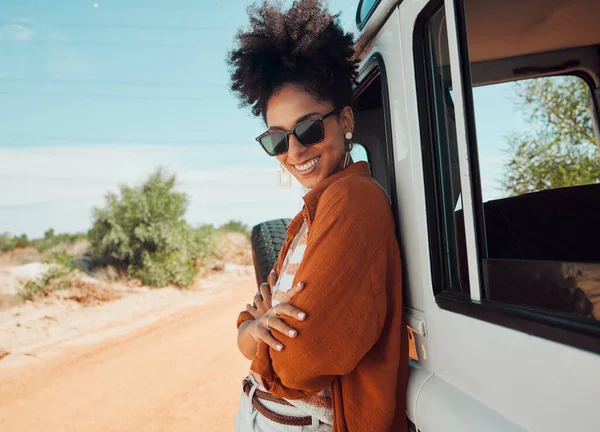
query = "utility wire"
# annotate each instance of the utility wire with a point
(79, 180)
(163, 141)
(126, 26)
(110, 97)
(117, 44)
(45, 203)
(155, 84)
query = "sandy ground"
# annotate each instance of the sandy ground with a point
(154, 360)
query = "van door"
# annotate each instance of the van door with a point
(503, 354)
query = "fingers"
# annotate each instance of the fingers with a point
(252, 310)
(277, 324)
(272, 278)
(265, 335)
(258, 297)
(296, 288)
(288, 296)
(290, 311)
(265, 292)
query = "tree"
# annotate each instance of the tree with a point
(562, 149)
(144, 228)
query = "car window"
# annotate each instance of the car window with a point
(539, 185)
(540, 175)
(359, 153)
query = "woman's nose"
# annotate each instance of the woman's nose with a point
(294, 147)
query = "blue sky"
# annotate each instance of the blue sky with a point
(94, 94)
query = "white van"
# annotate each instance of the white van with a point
(502, 295)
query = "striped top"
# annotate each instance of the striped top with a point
(319, 405)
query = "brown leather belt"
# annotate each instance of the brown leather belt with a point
(272, 415)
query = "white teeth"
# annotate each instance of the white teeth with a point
(308, 164)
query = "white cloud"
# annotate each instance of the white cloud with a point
(22, 20)
(56, 36)
(58, 186)
(67, 64)
(16, 32)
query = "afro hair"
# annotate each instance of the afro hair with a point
(304, 46)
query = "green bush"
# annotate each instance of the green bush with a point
(57, 277)
(22, 242)
(51, 240)
(205, 241)
(143, 227)
(7, 243)
(235, 226)
(61, 258)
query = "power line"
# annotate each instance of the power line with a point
(45, 203)
(112, 44)
(155, 84)
(110, 97)
(129, 26)
(162, 141)
(89, 181)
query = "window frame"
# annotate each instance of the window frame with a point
(554, 326)
(360, 24)
(375, 67)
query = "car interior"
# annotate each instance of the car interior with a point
(534, 241)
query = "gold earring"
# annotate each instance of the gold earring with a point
(284, 178)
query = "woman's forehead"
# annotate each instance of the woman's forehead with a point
(290, 104)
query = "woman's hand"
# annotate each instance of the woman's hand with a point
(262, 299)
(260, 328)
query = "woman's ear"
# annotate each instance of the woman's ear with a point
(347, 119)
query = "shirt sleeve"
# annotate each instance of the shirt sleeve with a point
(345, 311)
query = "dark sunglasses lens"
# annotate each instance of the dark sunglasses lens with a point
(309, 132)
(274, 143)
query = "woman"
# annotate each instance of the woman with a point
(326, 337)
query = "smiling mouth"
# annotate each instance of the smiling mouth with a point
(308, 167)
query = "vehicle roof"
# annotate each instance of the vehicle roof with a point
(510, 28)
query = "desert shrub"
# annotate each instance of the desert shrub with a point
(51, 240)
(22, 241)
(143, 227)
(205, 239)
(7, 242)
(57, 277)
(61, 258)
(235, 226)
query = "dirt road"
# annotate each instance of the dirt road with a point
(180, 374)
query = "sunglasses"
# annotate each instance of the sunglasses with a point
(308, 133)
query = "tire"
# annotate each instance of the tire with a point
(267, 240)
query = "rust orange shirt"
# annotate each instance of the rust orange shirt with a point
(354, 338)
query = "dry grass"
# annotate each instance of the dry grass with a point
(28, 255)
(234, 248)
(20, 257)
(89, 293)
(98, 281)
(110, 274)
